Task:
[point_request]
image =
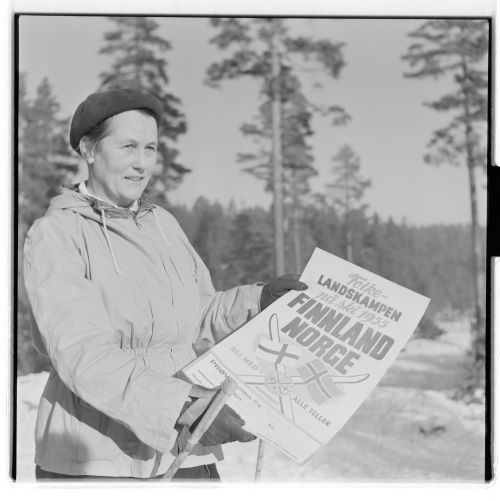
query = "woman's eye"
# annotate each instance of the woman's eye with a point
(129, 146)
(151, 148)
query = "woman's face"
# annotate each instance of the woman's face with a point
(121, 163)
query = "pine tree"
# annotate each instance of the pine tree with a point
(41, 136)
(249, 256)
(297, 158)
(211, 238)
(22, 122)
(458, 48)
(371, 245)
(346, 192)
(264, 49)
(139, 62)
(322, 226)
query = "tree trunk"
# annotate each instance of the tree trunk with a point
(476, 267)
(348, 229)
(294, 215)
(279, 248)
(348, 236)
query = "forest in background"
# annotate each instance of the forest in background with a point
(238, 243)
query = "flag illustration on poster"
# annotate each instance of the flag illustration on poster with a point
(287, 369)
(317, 382)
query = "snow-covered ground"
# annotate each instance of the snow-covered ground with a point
(409, 429)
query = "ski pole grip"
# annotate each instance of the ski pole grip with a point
(227, 389)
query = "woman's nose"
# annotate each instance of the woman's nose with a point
(139, 162)
(138, 169)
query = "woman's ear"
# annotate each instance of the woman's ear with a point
(86, 150)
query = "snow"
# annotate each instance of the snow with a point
(408, 430)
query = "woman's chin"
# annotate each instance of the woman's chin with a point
(130, 196)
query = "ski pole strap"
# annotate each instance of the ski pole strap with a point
(228, 388)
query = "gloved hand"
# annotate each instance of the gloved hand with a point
(278, 287)
(227, 426)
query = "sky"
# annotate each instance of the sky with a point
(389, 129)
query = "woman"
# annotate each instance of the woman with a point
(120, 301)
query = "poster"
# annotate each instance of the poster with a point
(307, 362)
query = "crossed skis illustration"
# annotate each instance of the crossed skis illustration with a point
(313, 377)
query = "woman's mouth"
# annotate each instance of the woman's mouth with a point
(134, 178)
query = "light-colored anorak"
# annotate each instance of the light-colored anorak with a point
(119, 299)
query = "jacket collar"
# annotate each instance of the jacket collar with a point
(82, 188)
(143, 204)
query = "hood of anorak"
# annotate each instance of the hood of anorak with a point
(93, 208)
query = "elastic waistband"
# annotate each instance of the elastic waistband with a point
(159, 350)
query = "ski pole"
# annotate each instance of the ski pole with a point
(227, 389)
(260, 457)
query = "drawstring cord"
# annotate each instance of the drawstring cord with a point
(106, 234)
(160, 228)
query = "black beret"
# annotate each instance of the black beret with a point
(102, 105)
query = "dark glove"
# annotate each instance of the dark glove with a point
(278, 287)
(195, 407)
(226, 427)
